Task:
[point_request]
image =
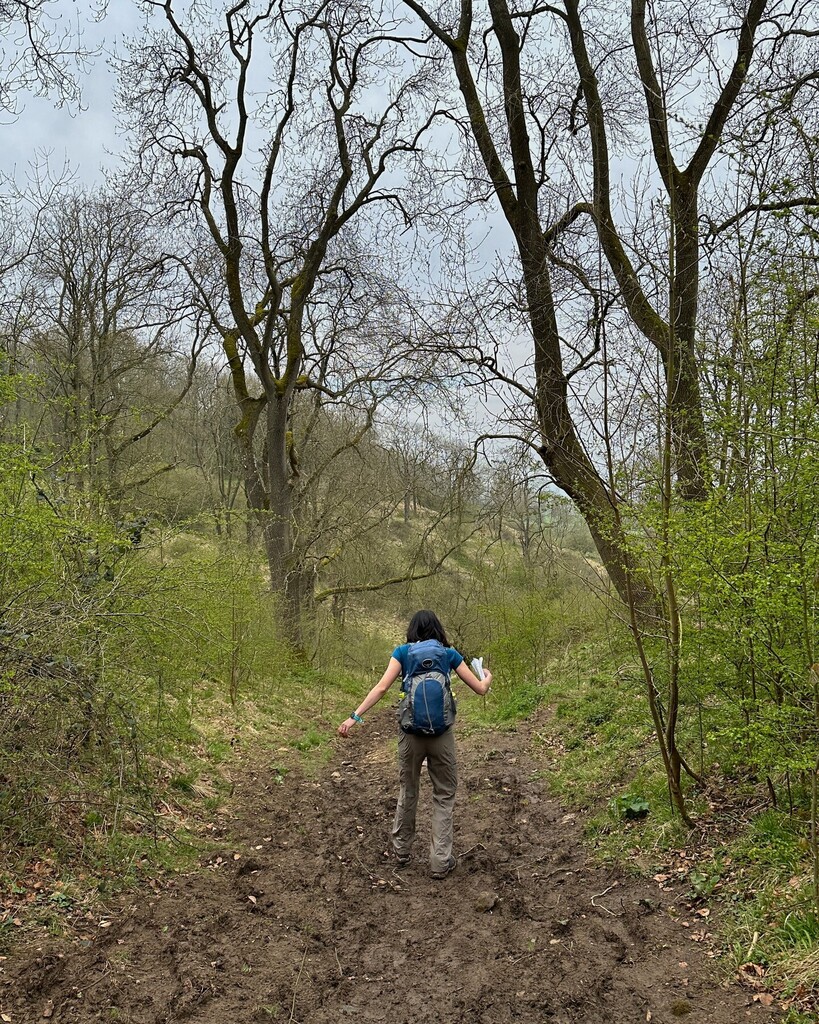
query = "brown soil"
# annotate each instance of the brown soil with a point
(304, 917)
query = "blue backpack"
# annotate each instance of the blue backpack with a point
(427, 707)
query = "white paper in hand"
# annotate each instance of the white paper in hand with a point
(477, 667)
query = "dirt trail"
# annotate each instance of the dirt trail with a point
(314, 924)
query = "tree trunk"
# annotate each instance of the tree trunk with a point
(561, 450)
(685, 406)
(269, 491)
(285, 575)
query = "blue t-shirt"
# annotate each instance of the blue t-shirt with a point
(400, 654)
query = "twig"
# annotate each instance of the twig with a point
(295, 988)
(752, 946)
(603, 893)
(363, 865)
(340, 971)
(376, 878)
(471, 850)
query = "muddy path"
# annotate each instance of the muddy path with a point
(302, 917)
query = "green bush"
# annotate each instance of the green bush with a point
(113, 634)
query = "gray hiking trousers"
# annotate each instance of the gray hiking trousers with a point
(443, 773)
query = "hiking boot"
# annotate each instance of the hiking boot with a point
(402, 859)
(447, 870)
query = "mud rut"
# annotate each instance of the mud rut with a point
(301, 917)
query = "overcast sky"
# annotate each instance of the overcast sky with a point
(82, 137)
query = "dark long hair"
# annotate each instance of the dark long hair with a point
(425, 625)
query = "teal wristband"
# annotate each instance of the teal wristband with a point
(357, 718)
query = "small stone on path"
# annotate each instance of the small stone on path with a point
(485, 902)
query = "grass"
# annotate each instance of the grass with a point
(766, 894)
(795, 1016)
(112, 833)
(599, 754)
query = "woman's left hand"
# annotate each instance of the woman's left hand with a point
(346, 725)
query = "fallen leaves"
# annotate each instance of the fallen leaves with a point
(753, 976)
(750, 973)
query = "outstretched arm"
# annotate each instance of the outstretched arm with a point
(373, 697)
(481, 686)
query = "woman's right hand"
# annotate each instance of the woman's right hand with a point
(346, 725)
(487, 681)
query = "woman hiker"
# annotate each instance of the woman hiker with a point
(425, 716)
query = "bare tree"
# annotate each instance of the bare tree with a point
(45, 54)
(515, 164)
(111, 315)
(277, 175)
